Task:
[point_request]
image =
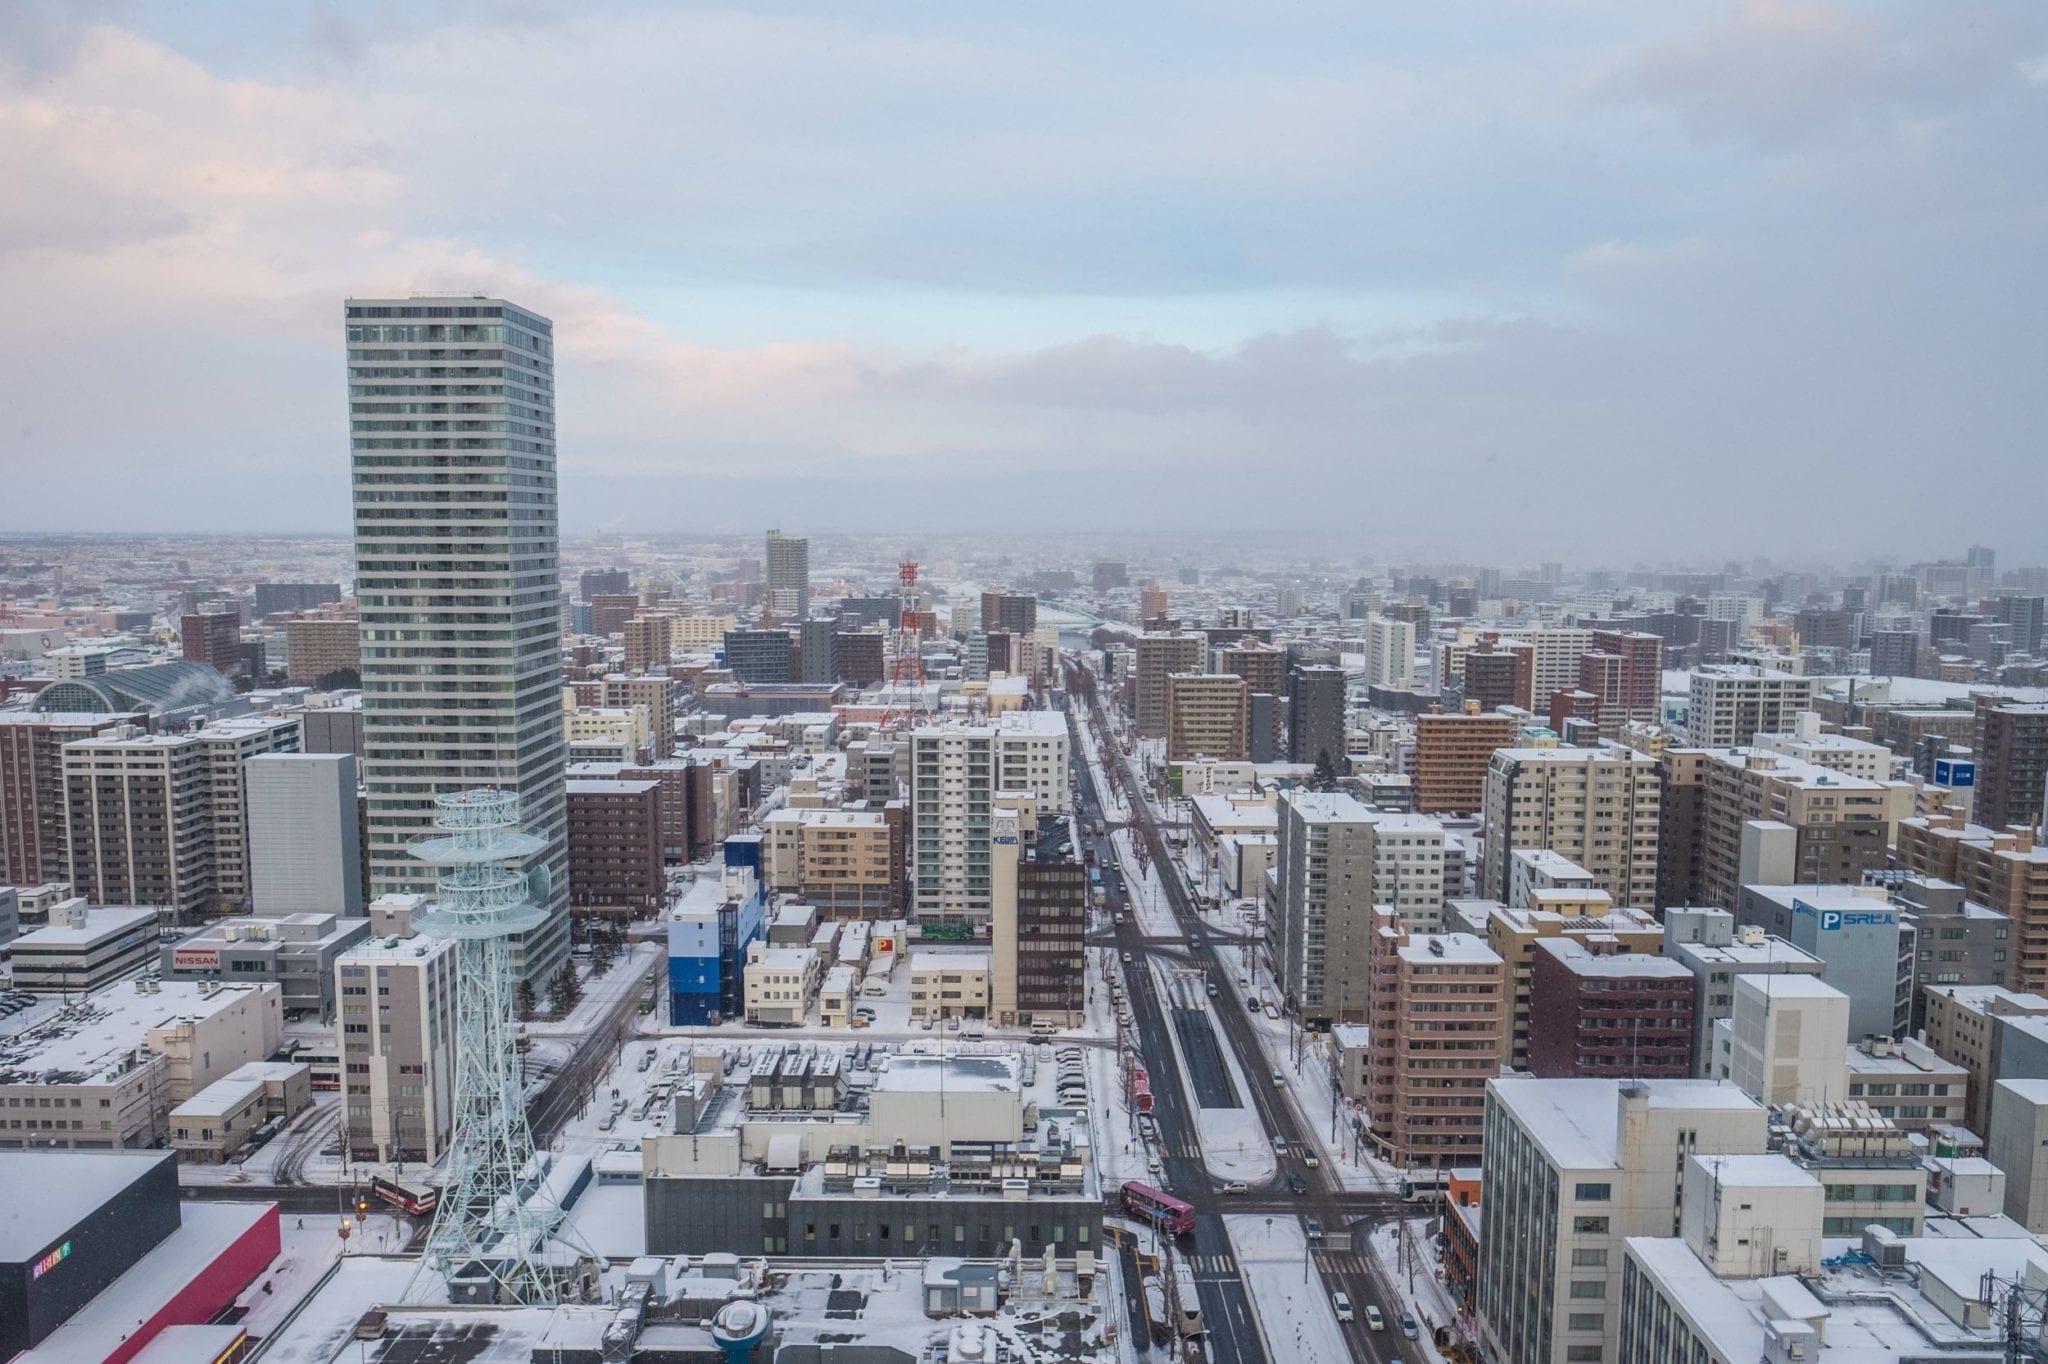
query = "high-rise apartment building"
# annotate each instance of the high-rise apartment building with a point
(2006, 869)
(847, 864)
(1159, 657)
(2023, 615)
(1016, 612)
(650, 640)
(609, 612)
(1815, 826)
(818, 650)
(656, 694)
(1894, 653)
(1390, 652)
(955, 773)
(458, 581)
(316, 646)
(1596, 806)
(1207, 716)
(275, 599)
(1263, 667)
(1546, 662)
(1316, 716)
(1731, 703)
(789, 576)
(1573, 1169)
(607, 581)
(615, 846)
(230, 745)
(1612, 1014)
(2011, 749)
(213, 638)
(756, 656)
(1452, 752)
(305, 849)
(1038, 963)
(1640, 693)
(1337, 858)
(33, 846)
(395, 1030)
(1439, 1021)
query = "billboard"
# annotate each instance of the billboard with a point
(195, 959)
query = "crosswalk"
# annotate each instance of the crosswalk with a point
(1212, 1266)
(1341, 1264)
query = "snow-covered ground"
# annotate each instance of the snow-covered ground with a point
(1429, 1301)
(1293, 1309)
(311, 1247)
(327, 1324)
(1233, 1141)
(628, 976)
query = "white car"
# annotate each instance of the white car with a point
(1343, 1305)
(1237, 1186)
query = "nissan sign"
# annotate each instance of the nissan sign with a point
(195, 959)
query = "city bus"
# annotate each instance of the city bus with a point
(1189, 1306)
(414, 1199)
(1164, 1211)
(1423, 1186)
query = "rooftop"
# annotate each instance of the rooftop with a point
(1574, 1120)
(100, 921)
(68, 1185)
(96, 1039)
(1617, 965)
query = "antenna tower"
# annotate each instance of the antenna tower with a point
(905, 698)
(496, 1215)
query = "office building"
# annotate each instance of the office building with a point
(1786, 1042)
(294, 952)
(1895, 653)
(1318, 702)
(33, 845)
(862, 657)
(650, 641)
(316, 647)
(818, 650)
(593, 581)
(83, 949)
(755, 656)
(1439, 1021)
(1707, 943)
(462, 658)
(1574, 1169)
(709, 932)
(1108, 577)
(2023, 615)
(276, 599)
(1389, 652)
(2011, 749)
(956, 772)
(305, 834)
(1597, 806)
(789, 577)
(1730, 704)
(1608, 1013)
(1865, 947)
(1208, 715)
(213, 638)
(1159, 656)
(230, 745)
(615, 847)
(395, 1030)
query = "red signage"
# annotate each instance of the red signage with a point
(195, 959)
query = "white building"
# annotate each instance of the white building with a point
(1836, 752)
(461, 665)
(85, 948)
(955, 772)
(1537, 869)
(781, 982)
(1389, 652)
(305, 848)
(395, 1030)
(1731, 704)
(1574, 1168)
(1789, 1040)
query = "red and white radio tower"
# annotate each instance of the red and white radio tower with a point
(907, 671)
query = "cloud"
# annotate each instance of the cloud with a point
(1732, 283)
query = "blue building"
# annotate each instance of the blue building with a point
(708, 935)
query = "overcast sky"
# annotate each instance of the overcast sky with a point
(1598, 280)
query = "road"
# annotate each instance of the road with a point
(1233, 1334)
(596, 1051)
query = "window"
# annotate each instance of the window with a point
(1594, 1193)
(1585, 1321)
(1589, 1226)
(1590, 1353)
(1589, 1288)
(1590, 1259)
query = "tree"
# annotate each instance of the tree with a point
(566, 990)
(524, 1000)
(1326, 772)
(339, 679)
(604, 954)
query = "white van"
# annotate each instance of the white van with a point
(1043, 1027)
(1343, 1305)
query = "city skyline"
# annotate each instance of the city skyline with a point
(1622, 261)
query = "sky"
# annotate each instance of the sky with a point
(1598, 280)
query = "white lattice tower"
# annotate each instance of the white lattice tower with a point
(495, 1215)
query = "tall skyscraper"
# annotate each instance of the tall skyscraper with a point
(452, 428)
(789, 576)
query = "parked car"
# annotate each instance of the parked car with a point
(1408, 1327)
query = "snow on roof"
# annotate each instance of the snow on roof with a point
(1790, 987)
(1457, 949)
(1574, 1120)
(220, 1098)
(81, 1047)
(68, 1186)
(904, 1074)
(100, 921)
(1757, 1170)
(1618, 965)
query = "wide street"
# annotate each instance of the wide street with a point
(1232, 1326)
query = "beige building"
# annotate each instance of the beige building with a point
(781, 982)
(1159, 656)
(1597, 806)
(1207, 716)
(650, 640)
(1962, 1027)
(315, 646)
(1730, 704)
(697, 634)
(214, 1125)
(395, 1030)
(654, 693)
(1838, 822)
(1439, 1034)
(614, 734)
(1452, 752)
(949, 984)
(844, 862)
(2005, 869)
